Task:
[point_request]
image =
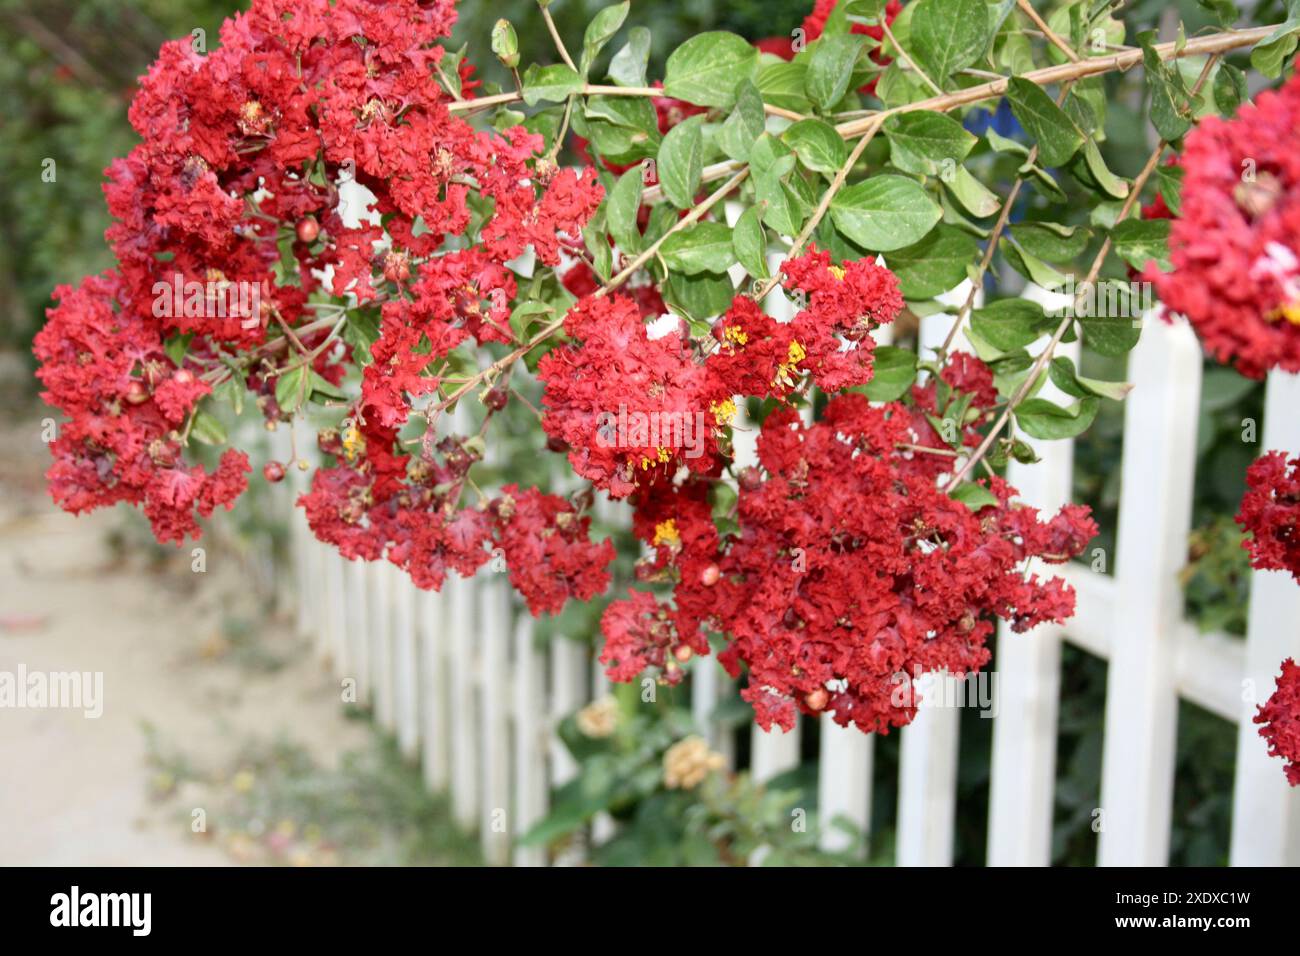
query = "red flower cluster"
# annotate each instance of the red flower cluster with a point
(1236, 259)
(1270, 511)
(380, 505)
(126, 405)
(234, 192)
(851, 572)
(630, 408)
(1280, 718)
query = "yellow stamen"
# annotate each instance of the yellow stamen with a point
(353, 442)
(837, 272)
(735, 335)
(723, 412)
(666, 533)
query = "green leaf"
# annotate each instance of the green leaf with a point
(593, 237)
(1230, 89)
(973, 496)
(291, 389)
(703, 247)
(745, 124)
(1100, 173)
(556, 83)
(600, 31)
(894, 372)
(1168, 107)
(622, 204)
(830, 68)
(782, 84)
(817, 145)
(524, 315)
(1139, 240)
(1039, 418)
(750, 242)
(1050, 241)
(318, 384)
(699, 296)
(885, 213)
(232, 391)
(1170, 182)
(1270, 56)
(628, 67)
(1009, 324)
(681, 162)
(949, 35)
(1030, 266)
(208, 429)
(1112, 336)
(782, 210)
(1057, 136)
(975, 197)
(1068, 380)
(706, 68)
(1225, 11)
(921, 140)
(934, 265)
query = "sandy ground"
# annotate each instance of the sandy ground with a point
(75, 790)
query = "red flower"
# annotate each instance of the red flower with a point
(639, 635)
(547, 548)
(631, 409)
(845, 303)
(851, 573)
(1236, 259)
(1280, 718)
(1270, 511)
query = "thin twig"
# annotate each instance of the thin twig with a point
(1048, 32)
(1095, 66)
(907, 59)
(1068, 320)
(555, 35)
(836, 184)
(646, 255)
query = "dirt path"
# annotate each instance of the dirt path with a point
(76, 790)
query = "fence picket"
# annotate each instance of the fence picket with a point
(529, 736)
(405, 668)
(493, 671)
(464, 718)
(843, 785)
(1027, 675)
(379, 604)
(355, 598)
(434, 694)
(1158, 470)
(1266, 810)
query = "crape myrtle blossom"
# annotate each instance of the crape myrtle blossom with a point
(245, 144)
(1280, 720)
(1234, 246)
(1270, 511)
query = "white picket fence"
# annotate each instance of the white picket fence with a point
(469, 694)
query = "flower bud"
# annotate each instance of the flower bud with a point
(505, 44)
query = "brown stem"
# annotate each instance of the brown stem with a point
(1046, 355)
